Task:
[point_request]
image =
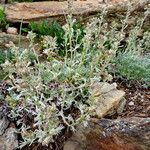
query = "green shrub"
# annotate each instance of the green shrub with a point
(3, 21)
(144, 43)
(54, 29)
(5, 55)
(132, 55)
(133, 61)
(134, 67)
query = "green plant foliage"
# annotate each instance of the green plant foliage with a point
(133, 61)
(5, 55)
(132, 56)
(53, 29)
(144, 43)
(134, 67)
(3, 21)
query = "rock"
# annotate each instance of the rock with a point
(131, 103)
(121, 105)
(3, 124)
(108, 98)
(38, 10)
(8, 137)
(27, 12)
(103, 87)
(12, 30)
(6, 38)
(8, 141)
(105, 134)
(72, 145)
(2, 1)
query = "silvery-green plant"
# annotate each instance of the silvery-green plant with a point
(132, 62)
(46, 91)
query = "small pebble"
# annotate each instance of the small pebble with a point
(12, 30)
(131, 103)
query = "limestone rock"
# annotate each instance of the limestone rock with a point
(72, 145)
(38, 10)
(131, 103)
(8, 141)
(6, 38)
(108, 98)
(12, 30)
(120, 134)
(3, 125)
(8, 137)
(2, 1)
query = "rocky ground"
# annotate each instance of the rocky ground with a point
(138, 99)
(128, 130)
(133, 121)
